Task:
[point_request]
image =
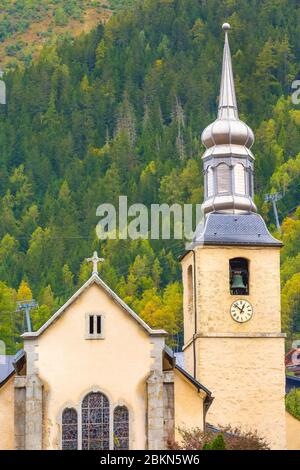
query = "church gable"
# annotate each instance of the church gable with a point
(93, 350)
(95, 281)
(93, 313)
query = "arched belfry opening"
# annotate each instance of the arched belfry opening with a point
(190, 289)
(239, 276)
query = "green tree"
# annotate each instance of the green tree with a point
(292, 403)
(9, 319)
(24, 292)
(291, 305)
(217, 444)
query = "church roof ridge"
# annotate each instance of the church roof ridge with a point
(94, 279)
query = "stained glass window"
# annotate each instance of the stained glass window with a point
(69, 429)
(95, 422)
(121, 428)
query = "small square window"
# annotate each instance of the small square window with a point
(94, 326)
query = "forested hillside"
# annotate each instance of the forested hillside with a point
(26, 25)
(120, 112)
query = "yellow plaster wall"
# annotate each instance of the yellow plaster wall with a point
(7, 415)
(71, 366)
(292, 432)
(188, 405)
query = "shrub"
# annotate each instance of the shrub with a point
(227, 438)
(217, 444)
(292, 403)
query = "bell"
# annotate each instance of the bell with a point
(237, 282)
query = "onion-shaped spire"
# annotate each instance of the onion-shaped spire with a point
(228, 141)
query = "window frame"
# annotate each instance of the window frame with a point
(95, 334)
(63, 441)
(246, 273)
(210, 182)
(94, 422)
(219, 179)
(190, 285)
(114, 423)
(239, 167)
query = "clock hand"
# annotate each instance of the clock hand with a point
(236, 305)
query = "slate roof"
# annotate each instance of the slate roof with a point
(179, 359)
(6, 366)
(9, 364)
(234, 229)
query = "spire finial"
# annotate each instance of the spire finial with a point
(226, 27)
(228, 104)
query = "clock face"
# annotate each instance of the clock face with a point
(241, 311)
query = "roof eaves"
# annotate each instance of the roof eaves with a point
(93, 279)
(195, 382)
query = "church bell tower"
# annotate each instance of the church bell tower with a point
(231, 274)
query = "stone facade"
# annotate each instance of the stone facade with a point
(246, 376)
(33, 413)
(19, 412)
(160, 402)
(242, 364)
(28, 412)
(169, 408)
(155, 412)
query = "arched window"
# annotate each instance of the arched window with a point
(251, 183)
(210, 182)
(239, 179)
(223, 178)
(121, 428)
(69, 429)
(95, 422)
(239, 276)
(190, 289)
